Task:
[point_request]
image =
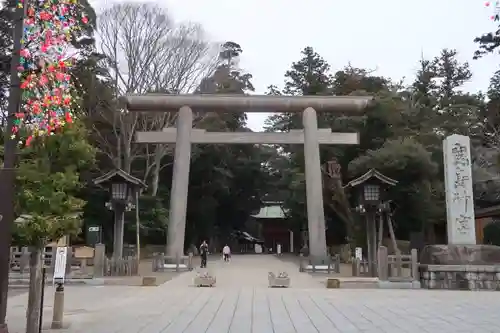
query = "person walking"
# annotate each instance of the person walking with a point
(226, 252)
(204, 254)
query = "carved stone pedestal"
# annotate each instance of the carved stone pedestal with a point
(282, 280)
(460, 267)
(460, 255)
(204, 280)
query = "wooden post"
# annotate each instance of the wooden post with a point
(414, 265)
(337, 263)
(383, 266)
(99, 260)
(381, 229)
(190, 261)
(356, 267)
(24, 260)
(155, 263)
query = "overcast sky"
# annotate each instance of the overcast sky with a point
(386, 35)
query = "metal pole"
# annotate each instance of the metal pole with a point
(137, 227)
(42, 296)
(7, 175)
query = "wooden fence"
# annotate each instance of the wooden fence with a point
(397, 268)
(92, 264)
(360, 267)
(389, 267)
(128, 266)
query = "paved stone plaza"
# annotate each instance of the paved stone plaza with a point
(242, 303)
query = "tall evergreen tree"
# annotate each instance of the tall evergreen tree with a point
(488, 43)
(223, 194)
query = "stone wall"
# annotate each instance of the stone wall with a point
(460, 277)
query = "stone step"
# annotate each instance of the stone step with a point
(357, 283)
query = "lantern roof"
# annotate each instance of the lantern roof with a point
(372, 174)
(118, 175)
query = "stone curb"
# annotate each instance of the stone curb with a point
(399, 285)
(20, 283)
(377, 284)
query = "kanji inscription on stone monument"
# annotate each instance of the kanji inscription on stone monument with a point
(458, 187)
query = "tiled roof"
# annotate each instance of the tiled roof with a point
(270, 212)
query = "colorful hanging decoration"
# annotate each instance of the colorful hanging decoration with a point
(46, 58)
(496, 10)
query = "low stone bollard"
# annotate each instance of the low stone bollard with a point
(204, 280)
(282, 280)
(332, 283)
(149, 281)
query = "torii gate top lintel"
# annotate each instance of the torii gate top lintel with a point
(247, 103)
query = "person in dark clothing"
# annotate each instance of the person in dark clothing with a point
(204, 254)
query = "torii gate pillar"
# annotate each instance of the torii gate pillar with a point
(314, 186)
(180, 183)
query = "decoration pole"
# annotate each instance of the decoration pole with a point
(7, 175)
(40, 97)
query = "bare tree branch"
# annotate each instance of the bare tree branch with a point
(147, 52)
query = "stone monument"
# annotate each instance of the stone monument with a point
(458, 188)
(460, 264)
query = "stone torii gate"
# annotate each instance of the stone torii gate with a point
(184, 135)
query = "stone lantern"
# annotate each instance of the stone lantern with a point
(123, 189)
(371, 193)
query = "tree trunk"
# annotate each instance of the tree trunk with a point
(393, 235)
(127, 160)
(395, 245)
(35, 291)
(156, 171)
(118, 160)
(338, 191)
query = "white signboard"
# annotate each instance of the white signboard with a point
(358, 253)
(60, 265)
(458, 187)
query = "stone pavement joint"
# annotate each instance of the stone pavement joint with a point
(242, 303)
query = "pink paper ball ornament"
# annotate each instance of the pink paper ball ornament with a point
(46, 59)
(496, 10)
